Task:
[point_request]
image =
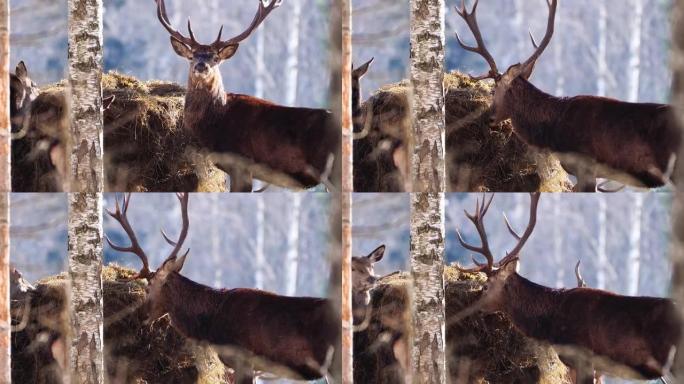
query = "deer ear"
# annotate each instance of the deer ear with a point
(181, 49)
(360, 71)
(377, 254)
(21, 71)
(178, 264)
(526, 72)
(510, 268)
(228, 51)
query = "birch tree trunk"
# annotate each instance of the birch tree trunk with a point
(216, 241)
(602, 256)
(634, 67)
(602, 54)
(292, 62)
(259, 67)
(259, 260)
(347, 189)
(5, 188)
(558, 241)
(85, 201)
(678, 204)
(292, 257)
(427, 76)
(634, 258)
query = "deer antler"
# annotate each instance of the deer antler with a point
(478, 220)
(580, 281)
(515, 252)
(178, 244)
(539, 48)
(481, 49)
(164, 19)
(121, 215)
(259, 17)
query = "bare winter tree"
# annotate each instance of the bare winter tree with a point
(292, 256)
(85, 201)
(634, 66)
(678, 208)
(428, 185)
(5, 188)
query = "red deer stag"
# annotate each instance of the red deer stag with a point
(634, 143)
(299, 142)
(297, 333)
(629, 337)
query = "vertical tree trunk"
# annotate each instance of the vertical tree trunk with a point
(259, 260)
(292, 257)
(634, 68)
(427, 76)
(634, 258)
(292, 61)
(259, 67)
(678, 205)
(5, 188)
(428, 184)
(347, 189)
(602, 256)
(85, 203)
(602, 54)
(559, 63)
(216, 241)
(558, 242)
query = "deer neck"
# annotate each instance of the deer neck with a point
(190, 305)
(533, 112)
(204, 94)
(360, 304)
(531, 306)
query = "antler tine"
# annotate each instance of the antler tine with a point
(192, 35)
(510, 227)
(478, 220)
(580, 281)
(539, 48)
(481, 49)
(164, 20)
(259, 17)
(183, 199)
(120, 215)
(514, 254)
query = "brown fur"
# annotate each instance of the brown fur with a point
(636, 138)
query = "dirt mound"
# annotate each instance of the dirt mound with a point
(480, 348)
(134, 352)
(480, 156)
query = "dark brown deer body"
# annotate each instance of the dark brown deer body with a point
(291, 337)
(634, 143)
(301, 143)
(629, 337)
(636, 140)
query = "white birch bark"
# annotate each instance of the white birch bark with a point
(292, 61)
(292, 257)
(427, 76)
(634, 66)
(634, 258)
(427, 272)
(259, 260)
(602, 256)
(5, 187)
(85, 203)
(85, 255)
(602, 54)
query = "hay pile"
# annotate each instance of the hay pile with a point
(480, 156)
(480, 348)
(134, 352)
(145, 147)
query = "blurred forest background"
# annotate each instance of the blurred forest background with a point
(616, 48)
(285, 60)
(275, 242)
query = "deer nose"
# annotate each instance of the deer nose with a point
(201, 67)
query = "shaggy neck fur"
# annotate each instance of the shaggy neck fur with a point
(190, 317)
(203, 94)
(530, 306)
(360, 305)
(533, 113)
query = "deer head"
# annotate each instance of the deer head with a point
(499, 273)
(358, 73)
(205, 59)
(521, 70)
(22, 92)
(363, 274)
(155, 304)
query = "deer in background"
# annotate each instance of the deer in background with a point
(299, 142)
(297, 333)
(634, 143)
(623, 336)
(23, 91)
